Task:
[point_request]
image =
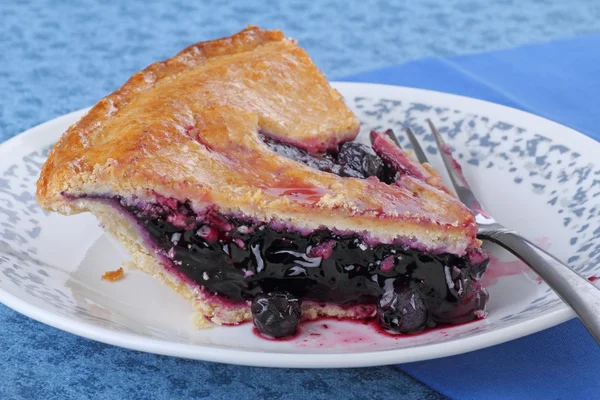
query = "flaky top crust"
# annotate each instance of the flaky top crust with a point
(188, 128)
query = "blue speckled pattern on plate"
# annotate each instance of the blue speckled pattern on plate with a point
(58, 56)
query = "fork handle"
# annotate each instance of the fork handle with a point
(575, 290)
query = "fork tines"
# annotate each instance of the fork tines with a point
(419, 153)
(392, 135)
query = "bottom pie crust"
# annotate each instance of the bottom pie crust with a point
(208, 308)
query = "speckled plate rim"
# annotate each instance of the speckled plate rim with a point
(562, 313)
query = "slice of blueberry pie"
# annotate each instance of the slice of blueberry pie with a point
(230, 173)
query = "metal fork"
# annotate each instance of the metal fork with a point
(580, 294)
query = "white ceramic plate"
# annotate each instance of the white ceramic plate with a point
(534, 175)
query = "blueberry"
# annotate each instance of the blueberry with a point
(276, 314)
(322, 162)
(360, 158)
(402, 311)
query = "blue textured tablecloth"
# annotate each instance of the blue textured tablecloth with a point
(57, 57)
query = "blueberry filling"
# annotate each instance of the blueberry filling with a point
(352, 159)
(243, 260)
(239, 259)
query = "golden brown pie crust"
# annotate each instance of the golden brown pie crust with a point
(187, 128)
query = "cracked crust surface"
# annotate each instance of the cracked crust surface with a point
(187, 128)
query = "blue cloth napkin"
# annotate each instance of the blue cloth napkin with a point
(558, 80)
